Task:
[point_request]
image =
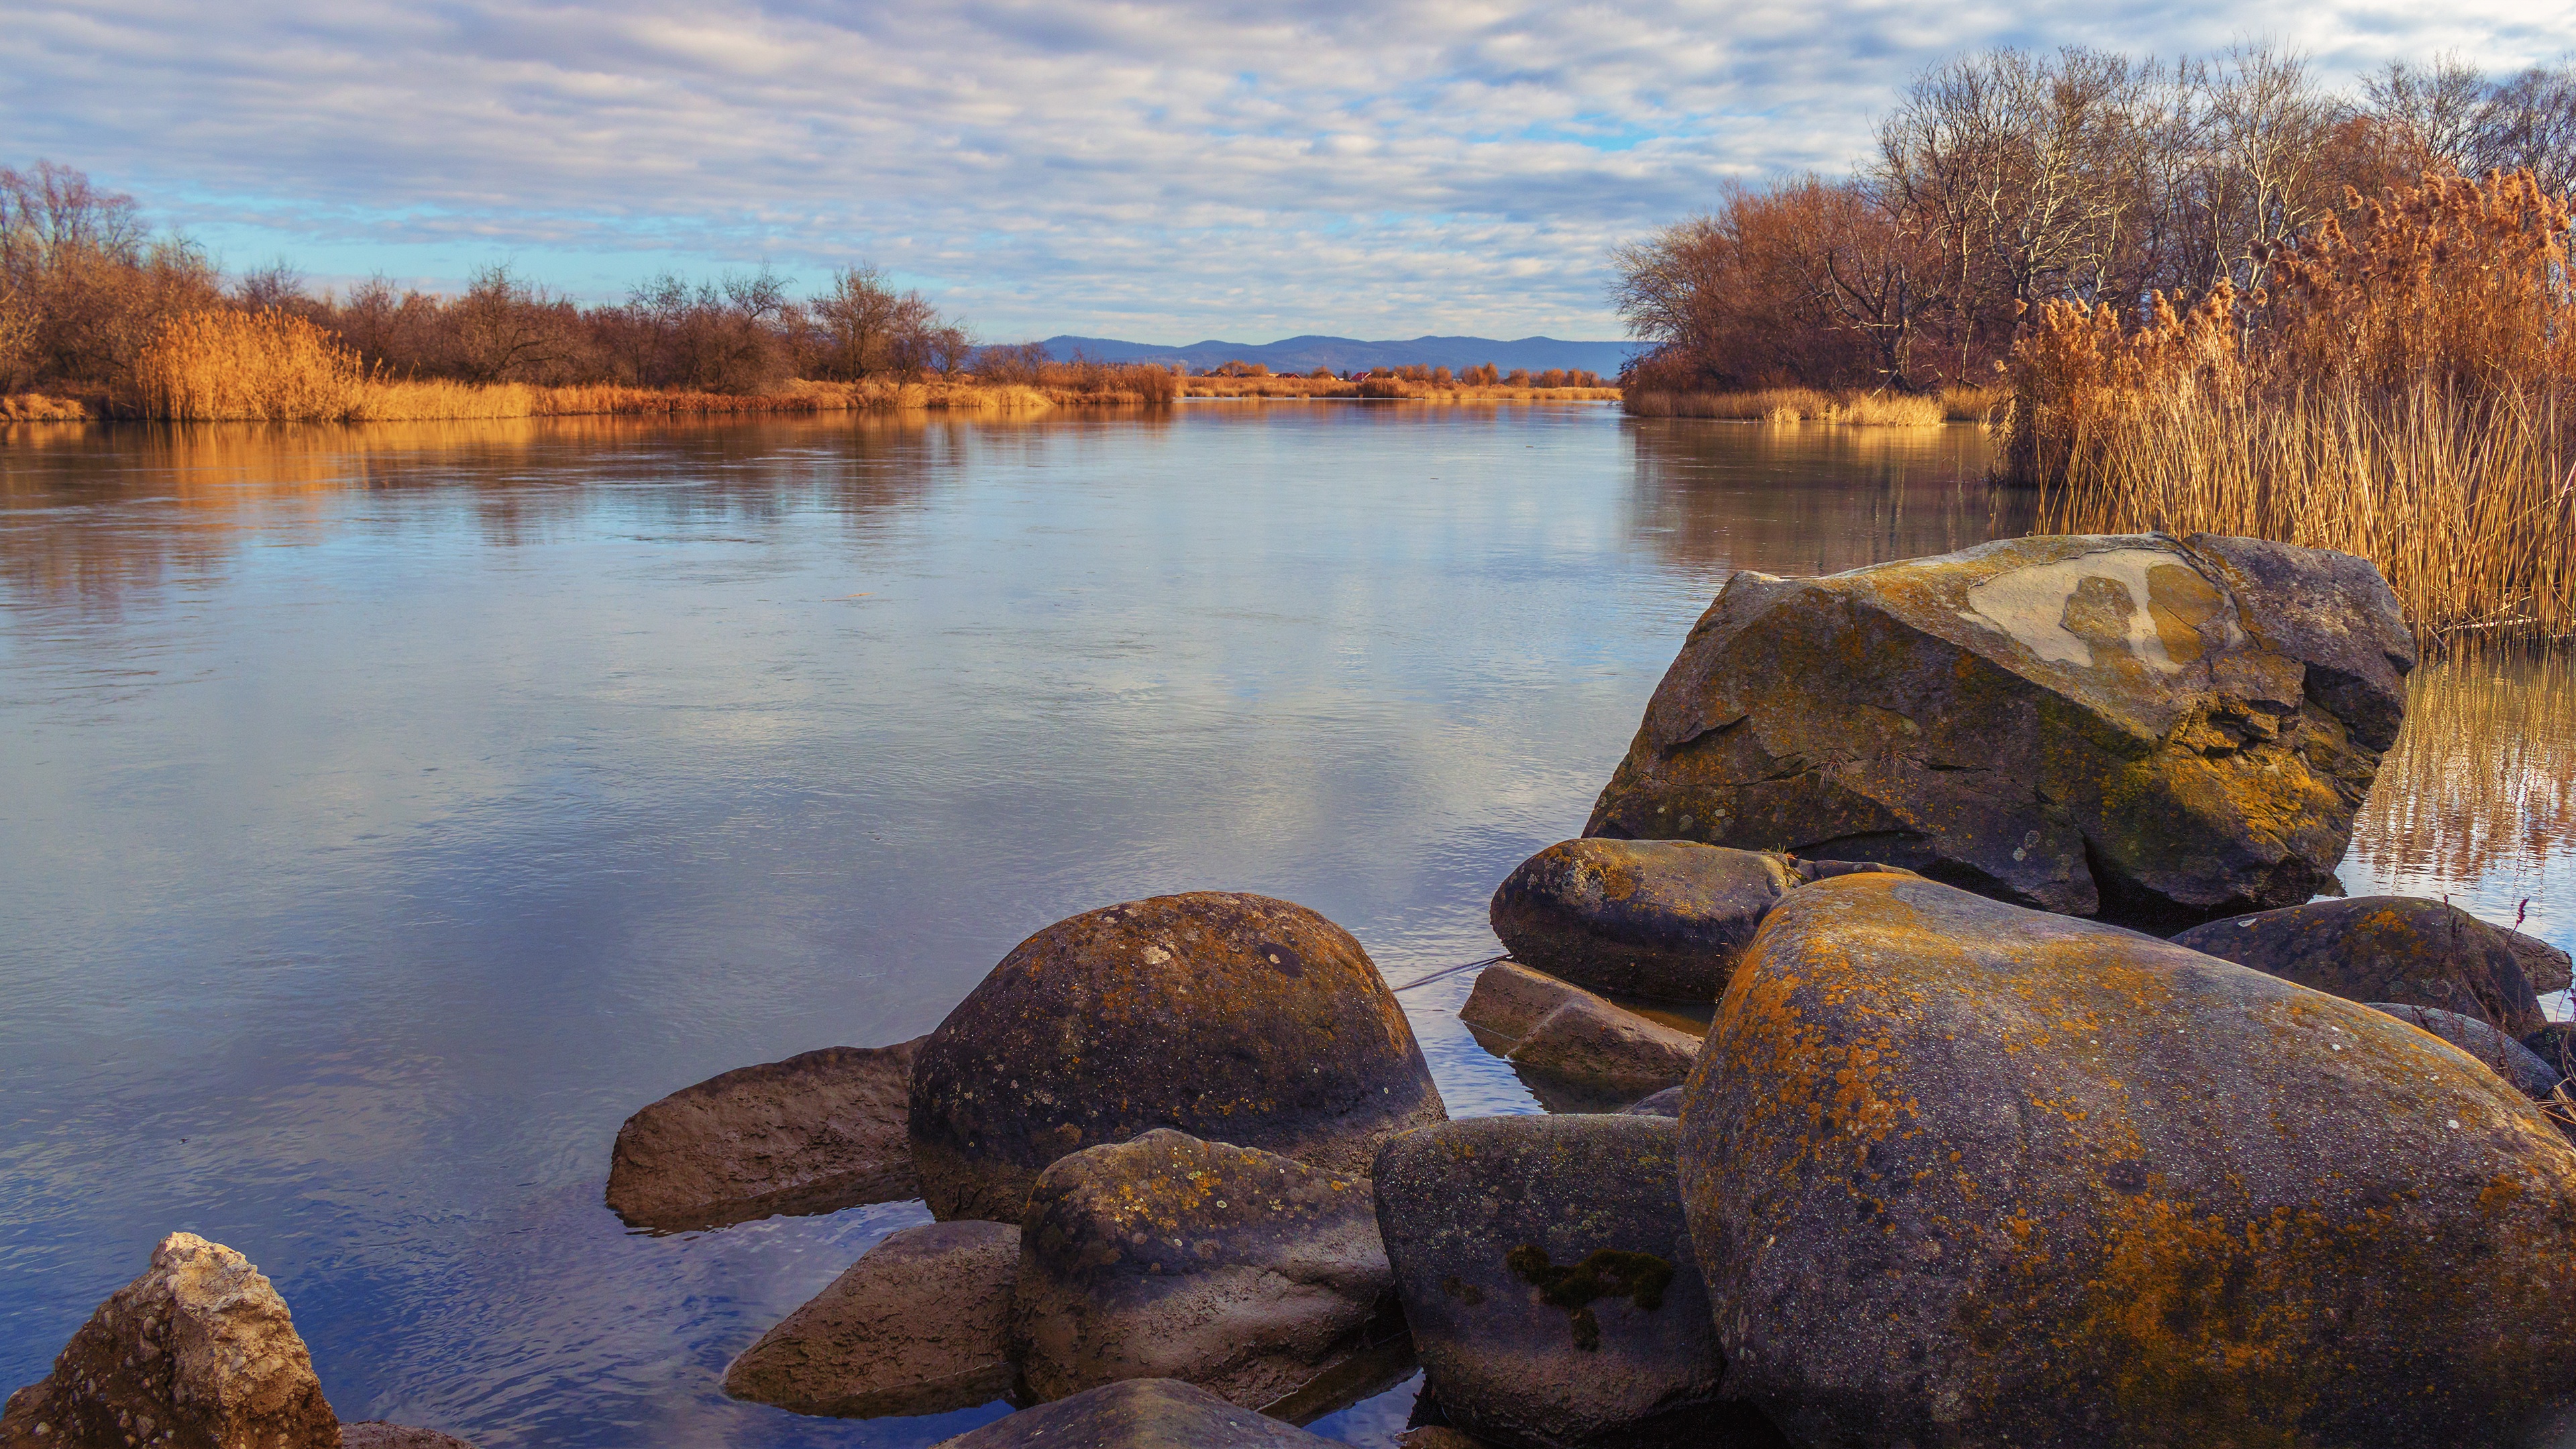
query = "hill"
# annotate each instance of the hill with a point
(1348, 354)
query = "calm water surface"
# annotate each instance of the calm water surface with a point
(389, 812)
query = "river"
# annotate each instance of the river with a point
(387, 812)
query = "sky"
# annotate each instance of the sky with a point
(1161, 172)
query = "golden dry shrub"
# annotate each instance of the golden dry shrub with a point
(265, 366)
(2399, 390)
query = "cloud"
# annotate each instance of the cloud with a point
(1157, 170)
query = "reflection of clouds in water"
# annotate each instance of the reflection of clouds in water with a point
(2477, 800)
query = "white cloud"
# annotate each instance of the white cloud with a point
(1153, 170)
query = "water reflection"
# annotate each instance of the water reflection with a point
(393, 810)
(1715, 496)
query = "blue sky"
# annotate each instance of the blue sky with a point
(1158, 171)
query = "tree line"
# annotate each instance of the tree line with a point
(85, 287)
(2004, 180)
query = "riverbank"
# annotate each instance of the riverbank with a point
(1783, 405)
(1388, 389)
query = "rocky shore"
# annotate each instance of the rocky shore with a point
(1885, 1110)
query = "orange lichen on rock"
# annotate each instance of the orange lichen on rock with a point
(1960, 1172)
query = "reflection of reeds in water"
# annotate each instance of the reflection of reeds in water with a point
(2483, 778)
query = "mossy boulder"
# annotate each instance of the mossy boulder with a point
(920, 1324)
(197, 1353)
(1962, 1173)
(2384, 948)
(1236, 1018)
(1246, 1273)
(1548, 1279)
(2148, 728)
(1655, 918)
(1137, 1414)
(816, 1133)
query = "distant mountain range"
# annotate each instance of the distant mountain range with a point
(1349, 354)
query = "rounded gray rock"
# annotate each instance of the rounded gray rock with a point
(1657, 918)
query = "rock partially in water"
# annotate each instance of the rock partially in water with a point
(1548, 1279)
(920, 1324)
(1961, 1173)
(1666, 1103)
(1137, 1414)
(377, 1434)
(1590, 1044)
(2149, 728)
(1665, 919)
(1240, 1271)
(816, 1133)
(1233, 1017)
(197, 1353)
(2494, 1050)
(2383, 948)
(2543, 965)
(1569, 1043)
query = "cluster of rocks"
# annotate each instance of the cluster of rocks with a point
(197, 1353)
(1864, 1135)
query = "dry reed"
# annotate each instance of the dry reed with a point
(2404, 395)
(1781, 406)
(36, 407)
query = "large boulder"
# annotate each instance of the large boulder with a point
(2383, 948)
(1962, 1173)
(815, 1133)
(920, 1324)
(197, 1353)
(2149, 728)
(1548, 1280)
(1654, 918)
(2495, 1051)
(1235, 1018)
(1240, 1271)
(1137, 1414)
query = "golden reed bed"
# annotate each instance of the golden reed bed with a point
(1781, 406)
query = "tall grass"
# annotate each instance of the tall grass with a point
(258, 366)
(2408, 395)
(1786, 405)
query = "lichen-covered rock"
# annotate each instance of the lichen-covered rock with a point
(1240, 1271)
(197, 1353)
(816, 1133)
(1961, 1173)
(1232, 1017)
(2495, 1051)
(1137, 1414)
(2383, 948)
(1548, 1280)
(920, 1324)
(1590, 1044)
(2149, 728)
(1654, 918)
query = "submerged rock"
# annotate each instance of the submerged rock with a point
(1961, 1173)
(2494, 1050)
(1548, 1280)
(1233, 1017)
(197, 1353)
(2383, 948)
(2149, 728)
(816, 1133)
(1509, 998)
(1137, 1414)
(1240, 1271)
(1655, 918)
(377, 1434)
(920, 1324)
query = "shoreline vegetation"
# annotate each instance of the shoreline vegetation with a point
(2199, 296)
(99, 318)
